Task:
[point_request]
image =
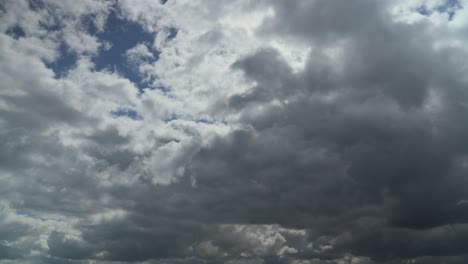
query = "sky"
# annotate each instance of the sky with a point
(233, 131)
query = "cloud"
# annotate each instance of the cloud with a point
(291, 132)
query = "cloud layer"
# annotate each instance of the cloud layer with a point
(293, 132)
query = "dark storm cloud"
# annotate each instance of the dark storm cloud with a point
(398, 156)
(271, 72)
(383, 243)
(380, 54)
(323, 21)
(9, 252)
(62, 246)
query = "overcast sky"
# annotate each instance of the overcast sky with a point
(234, 131)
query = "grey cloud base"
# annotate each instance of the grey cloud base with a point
(360, 156)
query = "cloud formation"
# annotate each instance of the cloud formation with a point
(292, 132)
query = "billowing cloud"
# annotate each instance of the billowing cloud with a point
(293, 132)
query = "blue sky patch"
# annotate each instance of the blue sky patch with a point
(28, 214)
(449, 6)
(127, 112)
(16, 32)
(65, 62)
(119, 33)
(36, 5)
(122, 35)
(170, 118)
(172, 33)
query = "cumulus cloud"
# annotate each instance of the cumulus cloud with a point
(295, 132)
